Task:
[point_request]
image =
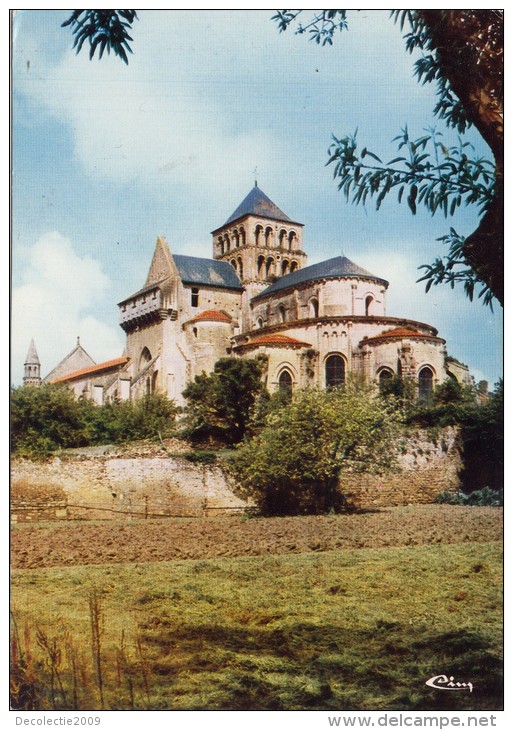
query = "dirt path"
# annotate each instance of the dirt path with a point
(72, 543)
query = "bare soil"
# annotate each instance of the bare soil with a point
(82, 543)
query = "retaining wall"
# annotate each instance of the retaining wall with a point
(106, 483)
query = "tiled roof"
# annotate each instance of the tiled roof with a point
(93, 369)
(206, 272)
(275, 339)
(257, 203)
(400, 332)
(338, 267)
(211, 315)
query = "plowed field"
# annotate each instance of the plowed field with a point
(83, 543)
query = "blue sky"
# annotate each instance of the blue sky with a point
(107, 156)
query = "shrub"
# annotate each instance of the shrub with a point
(292, 466)
(485, 497)
(49, 418)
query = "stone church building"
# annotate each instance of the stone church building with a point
(316, 324)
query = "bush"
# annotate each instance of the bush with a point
(480, 498)
(49, 418)
(292, 466)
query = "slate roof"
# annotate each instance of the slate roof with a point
(257, 203)
(335, 268)
(206, 272)
(142, 291)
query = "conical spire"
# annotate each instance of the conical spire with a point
(32, 357)
(32, 367)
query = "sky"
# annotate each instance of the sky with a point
(106, 157)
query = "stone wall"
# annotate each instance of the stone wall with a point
(106, 483)
(426, 466)
(145, 482)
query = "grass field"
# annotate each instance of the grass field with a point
(348, 630)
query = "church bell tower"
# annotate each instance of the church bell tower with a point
(260, 242)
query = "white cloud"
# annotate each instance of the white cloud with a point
(54, 303)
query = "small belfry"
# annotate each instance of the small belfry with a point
(32, 367)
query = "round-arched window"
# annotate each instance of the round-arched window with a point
(425, 384)
(368, 304)
(385, 377)
(285, 383)
(335, 371)
(144, 358)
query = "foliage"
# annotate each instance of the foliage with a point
(48, 418)
(482, 437)
(219, 405)
(104, 29)
(400, 394)
(147, 418)
(44, 419)
(202, 457)
(462, 52)
(485, 497)
(481, 431)
(292, 466)
(430, 174)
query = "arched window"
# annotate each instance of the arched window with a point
(226, 242)
(385, 377)
(292, 240)
(258, 235)
(282, 238)
(221, 245)
(260, 265)
(154, 381)
(425, 384)
(242, 233)
(284, 266)
(144, 357)
(293, 266)
(260, 323)
(239, 266)
(282, 313)
(368, 303)
(269, 267)
(235, 238)
(234, 264)
(314, 307)
(285, 383)
(268, 237)
(335, 371)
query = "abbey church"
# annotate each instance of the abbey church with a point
(257, 296)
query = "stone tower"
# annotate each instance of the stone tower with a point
(260, 242)
(32, 367)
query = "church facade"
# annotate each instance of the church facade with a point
(316, 324)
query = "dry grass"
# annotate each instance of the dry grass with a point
(355, 629)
